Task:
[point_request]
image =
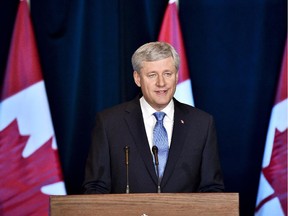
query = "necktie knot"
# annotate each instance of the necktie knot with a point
(159, 116)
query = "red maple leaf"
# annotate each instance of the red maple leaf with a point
(276, 171)
(22, 178)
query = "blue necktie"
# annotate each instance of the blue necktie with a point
(160, 139)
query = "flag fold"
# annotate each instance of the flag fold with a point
(272, 192)
(29, 163)
(171, 33)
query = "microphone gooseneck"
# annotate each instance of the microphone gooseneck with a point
(155, 153)
(126, 149)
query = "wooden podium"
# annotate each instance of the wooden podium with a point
(164, 204)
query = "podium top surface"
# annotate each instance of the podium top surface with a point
(170, 204)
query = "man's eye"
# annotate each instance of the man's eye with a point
(151, 75)
(168, 74)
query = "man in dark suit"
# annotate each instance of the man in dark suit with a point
(189, 136)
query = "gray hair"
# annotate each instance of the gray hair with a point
(154, 51)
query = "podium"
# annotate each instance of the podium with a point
(164, 204)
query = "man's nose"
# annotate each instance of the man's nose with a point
(160, 80)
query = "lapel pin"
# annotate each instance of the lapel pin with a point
(182, 121)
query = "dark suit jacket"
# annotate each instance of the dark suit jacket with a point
(192, 165)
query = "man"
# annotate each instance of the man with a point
(126, 134)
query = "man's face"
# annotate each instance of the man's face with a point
(158, 80)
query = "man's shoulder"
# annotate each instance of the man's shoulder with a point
(191, 110)
(121, 108)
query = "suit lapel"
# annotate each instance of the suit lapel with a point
(177, 142)
(136, 126)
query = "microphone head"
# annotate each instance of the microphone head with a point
(126, 149)
(155, 149)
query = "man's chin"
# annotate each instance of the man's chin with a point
(162, 104)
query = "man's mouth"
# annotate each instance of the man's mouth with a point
(161, 92)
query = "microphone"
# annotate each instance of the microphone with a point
(126, 149)
(155, 153)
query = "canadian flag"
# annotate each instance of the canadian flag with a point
(272, 192)
(29, 164)
(171, 33)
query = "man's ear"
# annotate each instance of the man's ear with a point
(136, 76)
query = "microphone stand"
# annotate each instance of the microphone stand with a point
(155, 153)
(126, 148)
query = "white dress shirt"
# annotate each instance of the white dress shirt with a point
(150, 120)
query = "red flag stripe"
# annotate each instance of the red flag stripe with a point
(282, 86)
(21, 77)
(171, 33)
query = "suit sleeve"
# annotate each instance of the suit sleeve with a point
(97, 170)
(211, 175)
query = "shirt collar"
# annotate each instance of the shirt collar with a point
(148, 110)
